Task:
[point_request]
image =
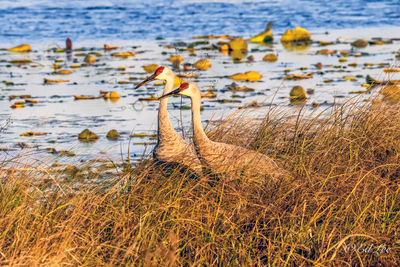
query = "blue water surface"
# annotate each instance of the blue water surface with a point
(37, 21)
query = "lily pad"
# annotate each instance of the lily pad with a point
(87, 136)
(113, 135)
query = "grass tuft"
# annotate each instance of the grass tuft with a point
(343, 191)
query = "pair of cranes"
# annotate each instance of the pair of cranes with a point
(220, 157)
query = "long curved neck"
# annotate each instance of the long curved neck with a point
(200, 137)
(165, 128)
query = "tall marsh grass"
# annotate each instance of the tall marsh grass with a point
(342, 195)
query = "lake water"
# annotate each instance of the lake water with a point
(149, 29)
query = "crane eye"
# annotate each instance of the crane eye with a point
(159, 70)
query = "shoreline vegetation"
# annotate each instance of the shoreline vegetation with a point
(343, 194)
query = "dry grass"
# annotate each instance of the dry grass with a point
(343, 191)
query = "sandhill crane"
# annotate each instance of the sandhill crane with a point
(221, 157)
(170, 147)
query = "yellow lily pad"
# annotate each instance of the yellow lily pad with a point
(20, 61)
(107, 47)
(63, 72)
(112, 134)
(87, 136)
(326, 52)
(298, 76)
(209, 95)
(85, 97)
(360, 43)
(238, 44)
(31, 133)
(49, 81)
(175, 58)
(295, 35)
(123, 54)
(298, 93)
(202, 64)
(247, 76)
(31, 101)
(90, 59)
(17, 105)
(350, 78)
(150, 68)
(266, 36)
(270, 58)
(21, 48)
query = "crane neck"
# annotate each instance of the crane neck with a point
(165, 128)
(199, 136)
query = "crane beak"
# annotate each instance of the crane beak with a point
(175, 92)
(148, 79)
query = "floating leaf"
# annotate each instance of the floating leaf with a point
(266, 36)
(63, 72)
(326, 52)
(188, 75)
(11, 97)
(49, 81)
(123, 54)
(296, 35)
(234, 87)
(107, 47)
(87, 136)
(202, 64)
(175, 58)
(150, 68)
(224, 48)
(31, 133)
(18, 104)
(32, 101)
(112, 134)
(360, 43)
(298, 76)
(89, 59)
(151, 98)
(297, 93)
(209, 95)
(212, 37)
(113, 96)
(323, 43)
(21, 48)
(247, 76)
(85, 97)
(238, 44)
(350, 78)
(140, 135)
(20, 61)
(270, 58)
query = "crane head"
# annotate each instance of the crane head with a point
(184, 89)
(161, 73)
